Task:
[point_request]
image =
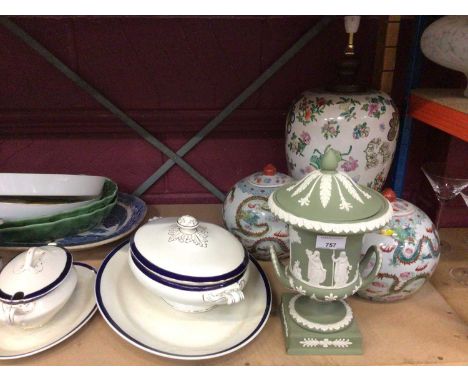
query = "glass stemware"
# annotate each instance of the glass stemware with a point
(448, 182)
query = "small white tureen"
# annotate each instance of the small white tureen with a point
(35, 285)
(192, 265)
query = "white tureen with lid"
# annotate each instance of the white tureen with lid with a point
(35, 284)
(192, 265)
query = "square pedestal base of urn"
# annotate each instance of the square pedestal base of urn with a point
(300, 341)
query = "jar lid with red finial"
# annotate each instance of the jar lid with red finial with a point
(269, 177)
(246, 213)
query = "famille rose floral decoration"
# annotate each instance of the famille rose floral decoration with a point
(328, 215)
(410, 250)
(362, 126)
(246, 213)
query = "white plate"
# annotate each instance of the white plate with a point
(149, 323)
(18, 343)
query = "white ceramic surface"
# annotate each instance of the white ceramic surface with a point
(247, 216)
(38, 312)
(190, 300)
(363, 127)
(58, 185)
(410, 251)
(18, 343)
(445, 42)
(196, 249)
(10, 212)
(45, 277)
(34, 269)
(149, 323)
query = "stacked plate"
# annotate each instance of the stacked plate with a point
(40, 208)
(183, 289)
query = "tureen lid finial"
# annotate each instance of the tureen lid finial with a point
(187, 222)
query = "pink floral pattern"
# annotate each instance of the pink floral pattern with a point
(350, 165)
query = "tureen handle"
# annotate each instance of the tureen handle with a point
(28, 263)
(373, 249)
(11, 314)
(225, 298)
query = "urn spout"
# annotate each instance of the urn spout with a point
(279, 268)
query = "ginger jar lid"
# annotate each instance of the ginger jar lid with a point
(329, 201)
(188, 250)
(34, 273)
(269, 177)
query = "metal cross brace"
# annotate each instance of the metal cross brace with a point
(174, 157)
(99, 97)
(241, 98)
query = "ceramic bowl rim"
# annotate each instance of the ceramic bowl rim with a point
(179, 277)
(188, 288)
(10, 300)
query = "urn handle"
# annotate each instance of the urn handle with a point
(375, 270)
(279, 268)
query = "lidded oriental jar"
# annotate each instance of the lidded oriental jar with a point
(246, 213)
(328, 215)
(410, 250)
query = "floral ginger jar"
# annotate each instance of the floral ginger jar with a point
(246, 214)
(362, 126)
(409, 245)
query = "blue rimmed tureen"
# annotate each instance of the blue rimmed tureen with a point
(192, 265)
(35, 285)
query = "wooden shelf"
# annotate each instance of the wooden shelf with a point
(444, 109)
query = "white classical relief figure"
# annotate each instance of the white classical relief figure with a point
(296, 270)
(342, 268)
(315, 272)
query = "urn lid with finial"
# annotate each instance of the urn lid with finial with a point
(329, 201)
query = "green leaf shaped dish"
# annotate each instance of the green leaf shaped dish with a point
(109, 192)
(49, 231)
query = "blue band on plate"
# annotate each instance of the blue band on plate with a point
(153, 350)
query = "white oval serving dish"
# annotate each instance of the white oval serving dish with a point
(50, 185)
(35, 285)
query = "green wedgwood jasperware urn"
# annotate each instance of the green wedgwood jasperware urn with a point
(328, 215)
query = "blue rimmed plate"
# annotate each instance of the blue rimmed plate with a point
(124, 218)
(149, 323)
(17, 342)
